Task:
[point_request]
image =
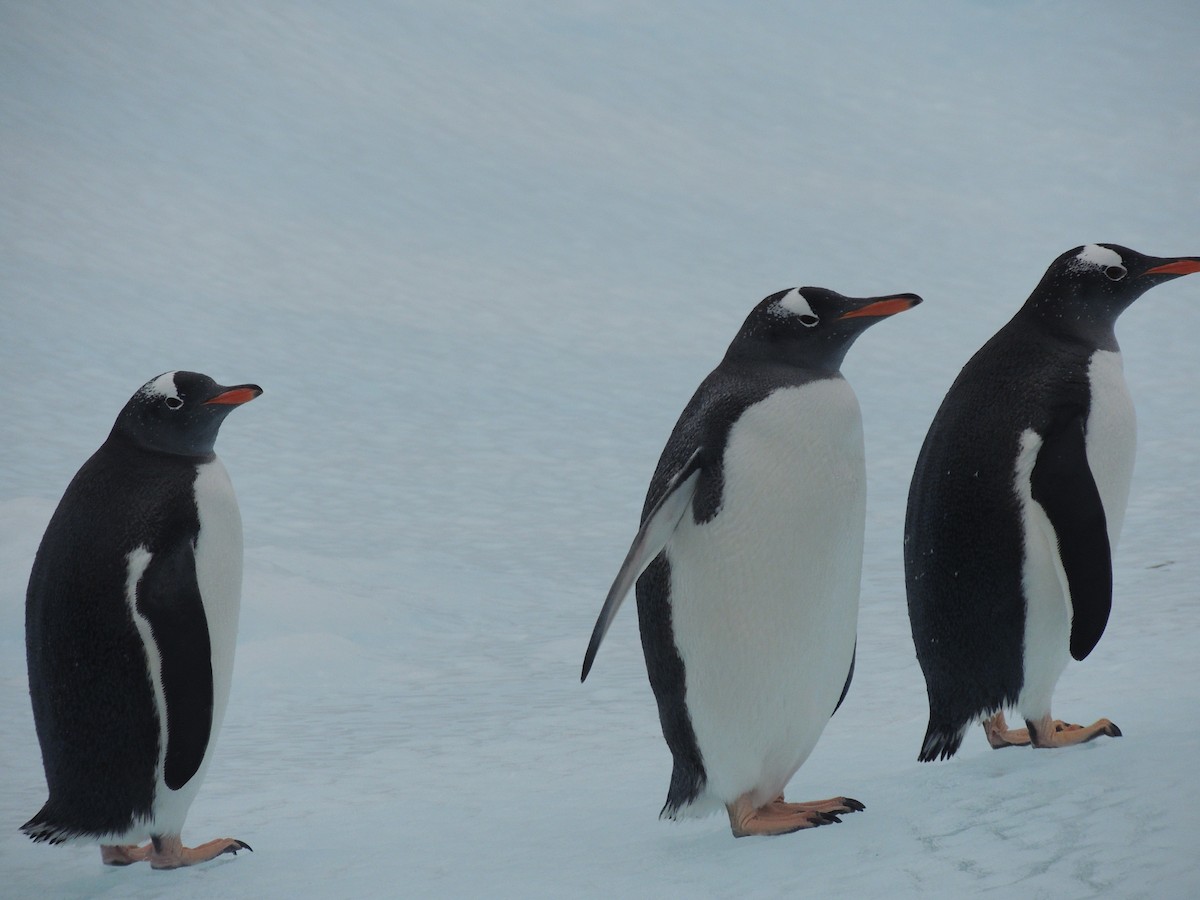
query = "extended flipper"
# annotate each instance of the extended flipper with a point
(656, 530)
(1063, 484)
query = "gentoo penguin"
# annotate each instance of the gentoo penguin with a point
(1016, 504)
(748, 563)
(130, 621)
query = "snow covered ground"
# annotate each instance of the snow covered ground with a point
(478, 256)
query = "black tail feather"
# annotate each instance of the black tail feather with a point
(941, 741)
(687, 782)
(41, 828)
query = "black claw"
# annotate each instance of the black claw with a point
(854, 804)
(829, 818)
(238, 845)
(1113, 730)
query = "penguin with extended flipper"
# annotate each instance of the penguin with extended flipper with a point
(130, 620)
(1017, 501)
(748, 563)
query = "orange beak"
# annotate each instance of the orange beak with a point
(888, 306)
(236, 396)
(1178, 267)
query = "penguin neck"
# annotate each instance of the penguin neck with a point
(820, 357)
(122, 441)
(1071, 321)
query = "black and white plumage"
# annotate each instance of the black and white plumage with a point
(748, 560)
(131, 620)
(1017, 501)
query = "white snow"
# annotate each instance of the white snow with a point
(437, 492)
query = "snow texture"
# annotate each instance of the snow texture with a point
(479, 256)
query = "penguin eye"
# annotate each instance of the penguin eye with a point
(809, 321)
(1115, 273)
(173, 402)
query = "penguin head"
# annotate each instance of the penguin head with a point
(1087, 288)
(179, 413)
(811, 327)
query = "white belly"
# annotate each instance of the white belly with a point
(764, 598)
(1111, 443)
(219, 573)
(219, 576)
(1111, 438)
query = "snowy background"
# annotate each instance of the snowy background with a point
(479, 256)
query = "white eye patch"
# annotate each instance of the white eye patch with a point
(163, 386)
(793, 303)
(1100, 257)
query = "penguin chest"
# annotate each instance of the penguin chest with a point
(1110, 442)
(764, 596)
(219, 577)
(1111, 437)
(219, 572)
(170, 630)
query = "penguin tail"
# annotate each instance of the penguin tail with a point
(41, 830)
(700, 808)
(941, 741)
(45, 828)
(677, 809)
(670, 811)
(688, 783)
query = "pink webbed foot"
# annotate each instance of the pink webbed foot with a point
(168, 852)
(781, 817)
(1045, 733)
(1000, 735)
(123, 854)
(1048, 732)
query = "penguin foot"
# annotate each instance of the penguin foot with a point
(1047, 732)
(1000, 735)
(169, 853)
(124, 854)
(780, 817)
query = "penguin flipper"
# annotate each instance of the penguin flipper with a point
(849, 678)
(168, 597)
(1062, 483)
(656, 530)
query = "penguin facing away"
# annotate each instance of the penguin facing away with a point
(1016, 504)
(748, 561)
(130, 623)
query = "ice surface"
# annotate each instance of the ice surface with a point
(479, 257)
